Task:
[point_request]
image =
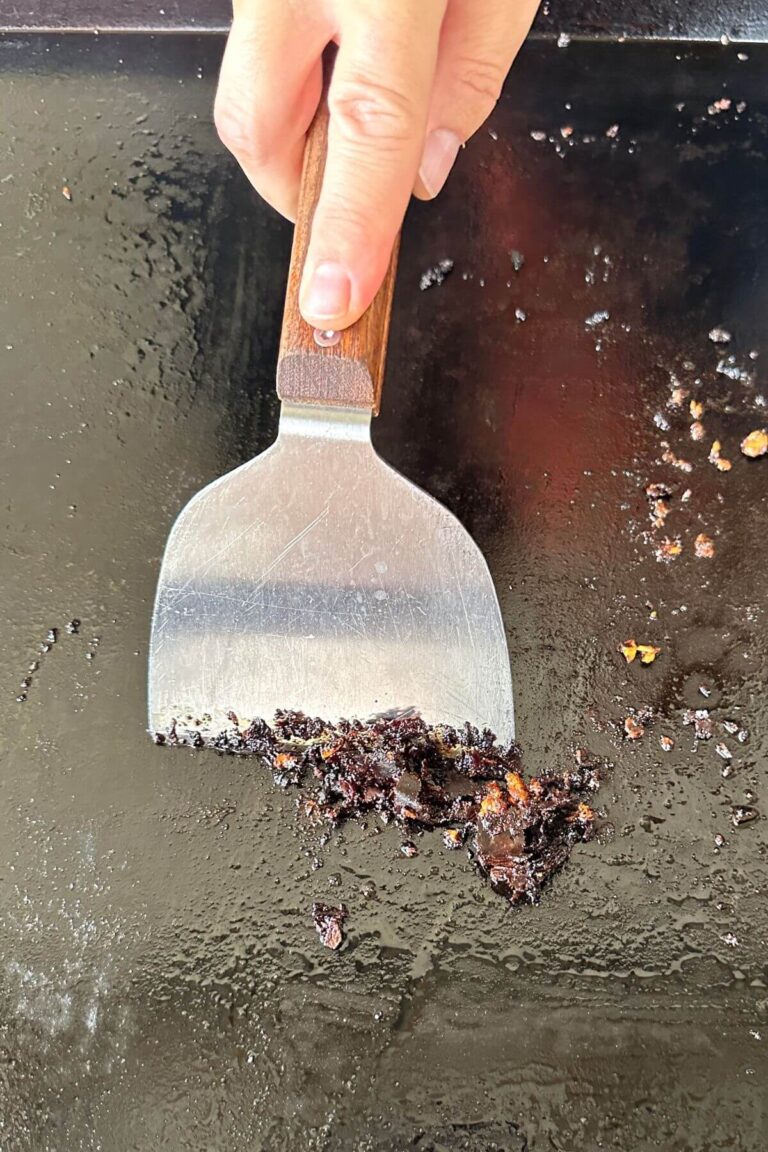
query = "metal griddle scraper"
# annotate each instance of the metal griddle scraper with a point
(315, 577)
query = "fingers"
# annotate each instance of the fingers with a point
(379, 100)
(270, 83)
(479, 41)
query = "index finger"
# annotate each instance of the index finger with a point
(379, 99)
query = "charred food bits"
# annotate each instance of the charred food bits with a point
(518, 832)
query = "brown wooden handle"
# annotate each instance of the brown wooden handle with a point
(350, 373)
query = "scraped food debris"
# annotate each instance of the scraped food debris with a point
(518, 832)
(667, 743)
(720, 335)
(436, 274)
(703, 725)
(704, 546)
(755, 444)
(743, 814)
(634, 729)
(668, 550)
(658, 497)
(696, 409)
(66, 193)
(669, 457)
(329, 921)
(630, 649)
(697, 430)
(717, 459)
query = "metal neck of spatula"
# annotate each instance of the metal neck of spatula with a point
(318, 421)
(345, 374)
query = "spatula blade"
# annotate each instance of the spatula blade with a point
(317, 578)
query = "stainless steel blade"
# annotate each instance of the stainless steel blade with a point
(315, 577)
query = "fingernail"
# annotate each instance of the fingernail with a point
(328, 293)
(440, 151)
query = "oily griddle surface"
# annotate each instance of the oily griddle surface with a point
(161, 982)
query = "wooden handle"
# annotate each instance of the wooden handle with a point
(349, 373)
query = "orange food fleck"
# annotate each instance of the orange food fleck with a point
(494, 801)
(628, 650)
(697, 430)
(756, 443)
(633, 728)
(677, 397)
(715, 458)
(283, 759)
(668, 549)
(66, 193)
(646, 652)
(669, 457)
(704, 546)
(517, 789)
(696, 409)
(453, 838)
(667, 743)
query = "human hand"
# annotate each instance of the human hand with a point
(413, 79)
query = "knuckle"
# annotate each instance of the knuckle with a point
(364, 109)
(480, 81)
(239, 131)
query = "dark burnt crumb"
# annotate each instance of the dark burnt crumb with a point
(329, 920)
(409, 849)
(743, 814)
(517, 831)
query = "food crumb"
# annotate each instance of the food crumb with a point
(612, 132)
(720, 335)
(723, 751)
(409, 849)
(703, 726)
(721, 105)
(329, 920)
(436, 274)
(66, 193)
(719, 840)
(538, 135)
(453, 838)
(633, 728)
(669, 457)
(715, 457)
(667, 743)
(696, 409)
(704, 546)
(755, 444)
(697, 430)
(668, 550)
(647, 652)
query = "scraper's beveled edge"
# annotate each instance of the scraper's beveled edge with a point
(335, 423)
